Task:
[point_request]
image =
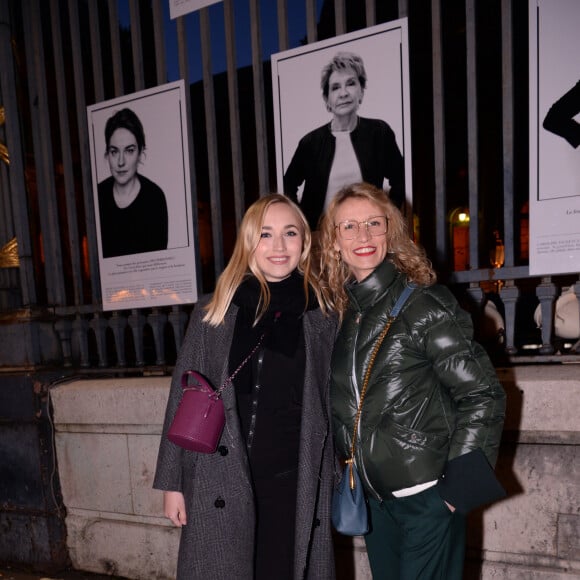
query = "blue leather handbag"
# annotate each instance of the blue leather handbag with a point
(349, 504)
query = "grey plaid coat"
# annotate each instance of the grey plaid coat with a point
(218, 541)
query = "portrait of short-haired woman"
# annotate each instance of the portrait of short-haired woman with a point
(347, 149)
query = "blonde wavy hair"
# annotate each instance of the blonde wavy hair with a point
(407, 256)
(243, 262)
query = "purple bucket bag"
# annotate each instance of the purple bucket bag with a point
(200, 417)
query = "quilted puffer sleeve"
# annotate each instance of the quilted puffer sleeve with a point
(466, 372)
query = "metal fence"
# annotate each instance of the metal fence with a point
(469, 123)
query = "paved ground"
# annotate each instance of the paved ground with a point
(9, 573)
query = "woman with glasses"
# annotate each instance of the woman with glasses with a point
(433, 413)
(345, 150)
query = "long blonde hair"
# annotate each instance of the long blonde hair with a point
(243, 262)
(407, 256)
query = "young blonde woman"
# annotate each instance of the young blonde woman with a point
(259, 507)
(433, 414)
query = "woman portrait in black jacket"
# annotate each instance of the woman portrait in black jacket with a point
(348, 149)
(259, 507)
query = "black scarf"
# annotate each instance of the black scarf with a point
(281, 323)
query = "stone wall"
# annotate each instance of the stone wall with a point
(535, 533)
(107, 434)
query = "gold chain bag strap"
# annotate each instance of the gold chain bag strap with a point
(391, 318)
(376, 348)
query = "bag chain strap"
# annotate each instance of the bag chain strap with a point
(376, 348)
(391, 318)
(229, 380)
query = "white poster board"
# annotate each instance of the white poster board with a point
(554, 44)
(165, 275)
(182, 7)
(299, 106)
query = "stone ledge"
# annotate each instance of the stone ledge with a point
(541, 437)
(542, 403)
(110, 428)
(111, 401)
(101, 515)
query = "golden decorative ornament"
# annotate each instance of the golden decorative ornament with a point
(9, 255)
(4, 156)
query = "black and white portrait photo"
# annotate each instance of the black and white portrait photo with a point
(342, 116)
(142, 198)
(554, 136)
(132, 207)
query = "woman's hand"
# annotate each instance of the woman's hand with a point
(174, 507)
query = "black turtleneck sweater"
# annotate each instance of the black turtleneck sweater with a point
(269, 388)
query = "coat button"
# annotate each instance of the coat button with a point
(219, 503)
(223, 450)
(316, 523)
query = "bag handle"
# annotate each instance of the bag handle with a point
(391, 318)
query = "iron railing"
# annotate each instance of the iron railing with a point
(59, 56)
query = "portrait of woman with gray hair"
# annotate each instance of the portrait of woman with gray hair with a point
(346, 150)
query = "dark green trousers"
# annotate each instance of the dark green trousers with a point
(415, 538)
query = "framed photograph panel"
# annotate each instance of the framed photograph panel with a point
(304, 109)
(554, 136)
(142, 197)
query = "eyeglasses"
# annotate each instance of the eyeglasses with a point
(376, 226)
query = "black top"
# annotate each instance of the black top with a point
(140, 227)
(378, 156)
(269, 389)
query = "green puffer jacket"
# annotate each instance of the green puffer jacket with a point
(433, 394)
